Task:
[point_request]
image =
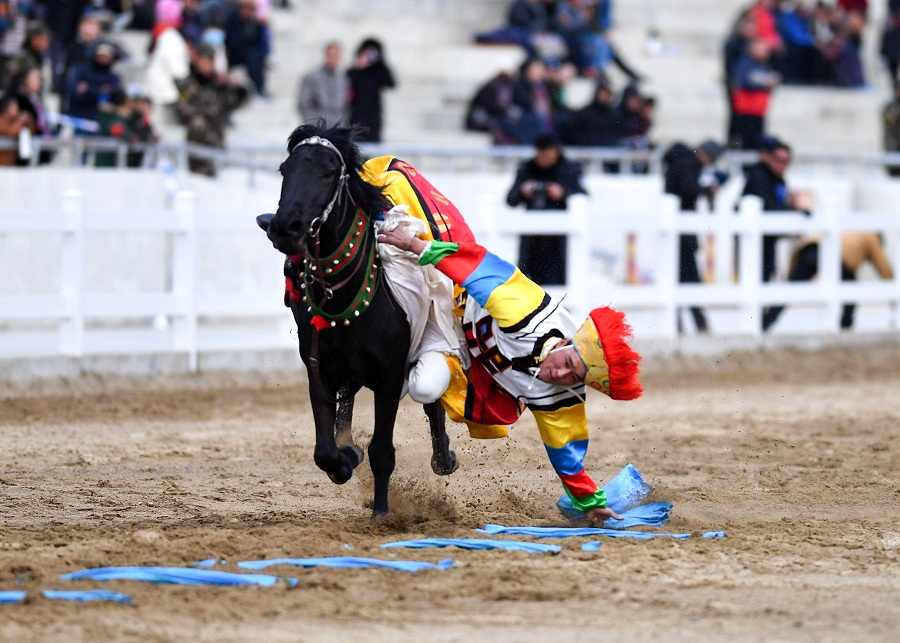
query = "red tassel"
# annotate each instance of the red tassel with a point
(318, 322)
(623, 361)
(292, 292)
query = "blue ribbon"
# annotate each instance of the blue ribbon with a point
(474, 543)
(11, 597)
(88, 595)
(348, 562)
(568, 532)
(172, 575)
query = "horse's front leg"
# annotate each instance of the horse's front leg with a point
(443, 460)
(343, 423)
(381, 448)
(337, 462)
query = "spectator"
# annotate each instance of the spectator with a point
(138, 125)
(762, 12)
(597, 124)
(635, 113)
(531, 109)
(856, 249)
(890, 42)
(12, 122)
(14, 17)
(490, 106)
(111, 117)
(206, 101)
(765, 179)
(246, 43)
(585, 27)
(859, 6)
(92, 82)
(890, 118)
(525, 19)
(89, 33)
(169, 60)
(191, 22)
(685, 178)
(736, 45)
(542, 183)
(753, 80)
(62, 18)
(33, 52)
(802, 61)
(324, 91)
(837, 38)
(369, 77)
(26, 87)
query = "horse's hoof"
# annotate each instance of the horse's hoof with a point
(354, 454)
(445, 468)
(379, 514)
(335, 479)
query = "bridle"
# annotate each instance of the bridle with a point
(342, 186)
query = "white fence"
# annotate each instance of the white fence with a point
(622, 251)
(169, 309)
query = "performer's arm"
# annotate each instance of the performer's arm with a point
(507, 294)
(565, 436)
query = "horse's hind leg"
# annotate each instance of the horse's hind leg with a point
(443, 460)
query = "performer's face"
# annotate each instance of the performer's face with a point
(563, 366)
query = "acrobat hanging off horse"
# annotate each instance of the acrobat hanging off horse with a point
(485, 342)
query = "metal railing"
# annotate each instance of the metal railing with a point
(265, 158)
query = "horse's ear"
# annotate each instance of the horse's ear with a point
(265, 220)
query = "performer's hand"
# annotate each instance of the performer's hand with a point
(598, 516)
(401, 237)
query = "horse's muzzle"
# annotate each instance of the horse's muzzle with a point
(265, 220)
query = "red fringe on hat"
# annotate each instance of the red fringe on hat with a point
(623, 361)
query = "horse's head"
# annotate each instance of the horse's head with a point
(320, 177)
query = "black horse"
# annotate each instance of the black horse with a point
(352, 332)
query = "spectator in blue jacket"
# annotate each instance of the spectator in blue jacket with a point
(247, 43)
(92, 82)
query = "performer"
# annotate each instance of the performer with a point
(523, 348)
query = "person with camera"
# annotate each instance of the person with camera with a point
(545, 182)
(369, 77)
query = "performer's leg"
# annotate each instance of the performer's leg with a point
(429, 377)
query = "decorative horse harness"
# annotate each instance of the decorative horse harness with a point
(317, 270)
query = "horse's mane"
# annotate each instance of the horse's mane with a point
(369, 197)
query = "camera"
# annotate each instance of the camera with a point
(539, 197)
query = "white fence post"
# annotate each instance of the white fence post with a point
(184, 277)
(829, 263)
(749, 268)
(578, 259)
(667, 272)
(71, 331)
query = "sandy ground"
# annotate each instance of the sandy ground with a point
(793, 454)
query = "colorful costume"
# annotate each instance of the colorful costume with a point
(508, 323)
(403, 185)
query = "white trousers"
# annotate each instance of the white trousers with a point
(429, 377)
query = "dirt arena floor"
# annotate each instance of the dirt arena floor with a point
(793, 454)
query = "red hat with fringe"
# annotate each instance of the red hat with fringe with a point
(612, 365)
